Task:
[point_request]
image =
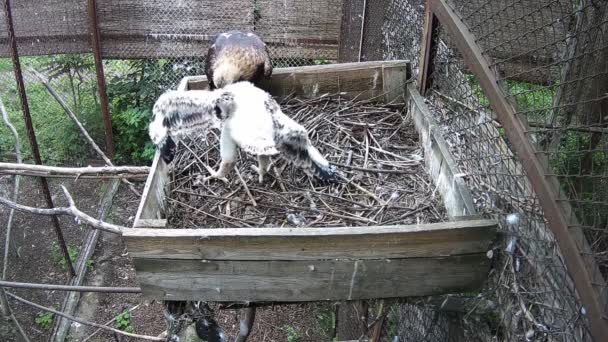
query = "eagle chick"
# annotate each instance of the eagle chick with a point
(249, 118)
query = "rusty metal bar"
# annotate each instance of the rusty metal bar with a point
(101, 79)
(536, 170)
(427, 53)
(30, 130)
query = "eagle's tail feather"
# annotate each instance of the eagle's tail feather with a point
(320, 166)
(300, 152)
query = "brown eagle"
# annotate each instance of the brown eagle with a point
(237, 56)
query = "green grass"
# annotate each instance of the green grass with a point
(293, 334)
(44, 319)
(57, 255)
(123, 321)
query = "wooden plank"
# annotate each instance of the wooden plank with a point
(153, 196)
(363, 80)
(350, 31)
(150, 223)
(441, 166)
(425, 240)
(295, 281)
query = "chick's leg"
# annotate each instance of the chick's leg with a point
(229, 153)
(262, 168)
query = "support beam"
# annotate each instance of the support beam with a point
(101, 79)
(429, 46)
(30, 130)
(537, 171)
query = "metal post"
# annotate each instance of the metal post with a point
(30, 130)
(101, 80)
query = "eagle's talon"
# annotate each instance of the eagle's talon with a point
(201, 180)
(260, 174)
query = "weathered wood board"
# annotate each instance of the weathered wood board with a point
(438, 160)
(308, 280)
(362, 80)
(408, 241)
(309, 264)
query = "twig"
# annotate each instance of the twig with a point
(6, 311)
(54, 287)
(238, 173)
(362, 189)
(17, 179)
(108, 323)
(83, 130)
(77, 172)
(82, 321)
(71, 210)
(366, 169)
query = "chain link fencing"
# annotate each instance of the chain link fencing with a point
(550, 56)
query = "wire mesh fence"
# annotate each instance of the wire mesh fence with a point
(551, 57)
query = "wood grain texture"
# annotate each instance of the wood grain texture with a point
(153, 197)
(361, 80)
(295, 281)
(439, 163)
(410, 241)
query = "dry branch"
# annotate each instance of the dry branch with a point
(4, 304)
(17, 179)
(54, 287)
(81, 321)
(83, 130)
(71, 210)
(140, 172)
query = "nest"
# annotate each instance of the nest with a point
(375, 147)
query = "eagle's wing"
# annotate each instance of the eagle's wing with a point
(250, 125)
(209, 61)
(292, 141)
(267, 63)
(177, 113)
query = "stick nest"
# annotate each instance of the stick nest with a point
(374, 146)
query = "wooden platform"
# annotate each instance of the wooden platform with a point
(312, 264)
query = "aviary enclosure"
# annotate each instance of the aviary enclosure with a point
(473, 136)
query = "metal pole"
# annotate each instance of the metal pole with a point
(30, 130)
(101, 79)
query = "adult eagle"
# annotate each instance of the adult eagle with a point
(237, 56)
(250, 119)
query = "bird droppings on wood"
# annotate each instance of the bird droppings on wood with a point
(374, 146)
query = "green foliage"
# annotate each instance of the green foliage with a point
(90, 264)
(131, 136)
(123, 321)
(57, 255)
(293, 334)
(326, 317)
(321, 61)
(133, 88)
(58, 138)
(44, 319)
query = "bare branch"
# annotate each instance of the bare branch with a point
(72, 210)
(81, 321)
(83, 130)
(54, 287)
(17, 179)
(6, 311)
(77, 172)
